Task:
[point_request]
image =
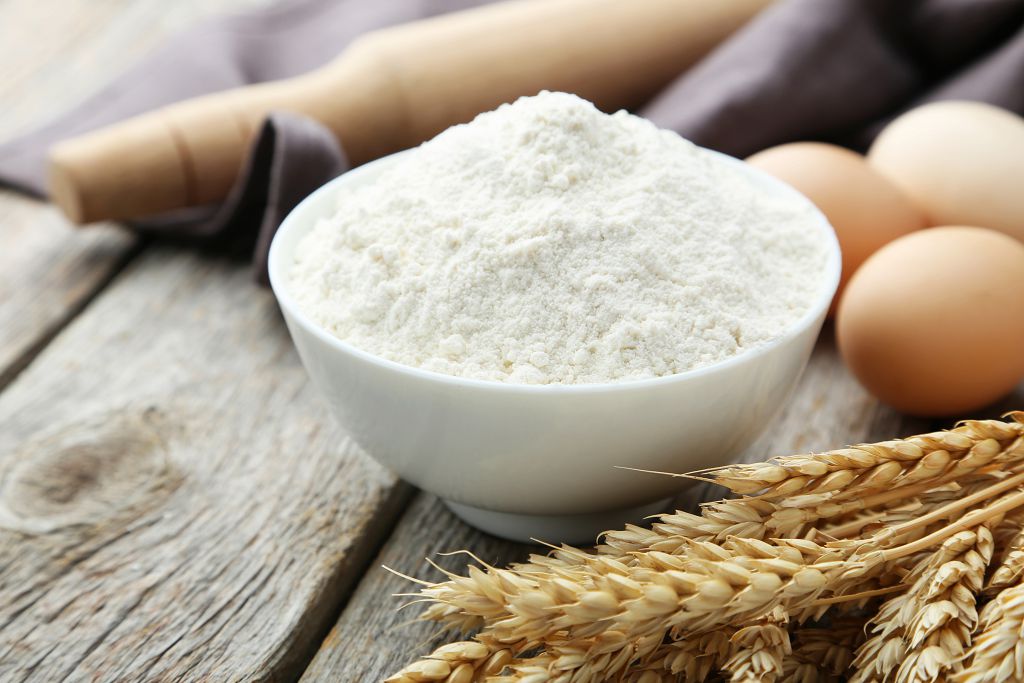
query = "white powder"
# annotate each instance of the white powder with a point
(547, 242)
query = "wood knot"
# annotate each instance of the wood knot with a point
(109, 466)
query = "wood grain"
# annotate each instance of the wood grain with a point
(371, 640)
(48, 274)
(174, 502)
(52, 54)
(374, 638)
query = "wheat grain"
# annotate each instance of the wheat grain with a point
(709, 586)
(796, 670)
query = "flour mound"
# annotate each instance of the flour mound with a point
(547, 242)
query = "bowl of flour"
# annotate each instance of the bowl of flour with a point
(509, 311)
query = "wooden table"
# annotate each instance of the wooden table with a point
(175, 504)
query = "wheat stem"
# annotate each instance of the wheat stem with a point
(969, 520)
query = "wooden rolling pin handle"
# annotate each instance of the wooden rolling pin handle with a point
(190, 153)
(392, 89)
(90, 181)
(187, 154)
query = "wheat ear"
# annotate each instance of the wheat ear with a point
(795, 493)
(709, 586)
(608, 656)
(695, 658)
(824, 653)
(758, 650)
(922, 634)
(997, 653)
(871, 467)
(1010, 571)
(462, 662)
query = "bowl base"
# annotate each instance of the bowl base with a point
(574, 529)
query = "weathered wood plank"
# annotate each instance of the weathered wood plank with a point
(53, 54)
(174, 502)
(371, 640)
(373, 637)
(48, 273)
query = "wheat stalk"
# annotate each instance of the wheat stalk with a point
(718, 520)
(908, 522)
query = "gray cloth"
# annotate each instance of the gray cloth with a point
(832, 70)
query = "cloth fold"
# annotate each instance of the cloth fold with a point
(832, 70)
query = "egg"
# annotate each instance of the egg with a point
(961, 162)
(865, 209)
(933, 322)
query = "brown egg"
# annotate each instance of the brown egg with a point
(961, 162)
(933, 323)
(865, 209)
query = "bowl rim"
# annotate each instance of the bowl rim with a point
(297, 218)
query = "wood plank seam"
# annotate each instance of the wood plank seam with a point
(23, 359)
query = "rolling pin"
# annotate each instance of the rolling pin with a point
(392, 89)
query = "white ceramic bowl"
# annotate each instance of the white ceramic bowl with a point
(524, 461)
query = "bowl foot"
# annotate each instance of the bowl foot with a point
(575, 529)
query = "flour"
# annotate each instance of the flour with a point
(549, 243)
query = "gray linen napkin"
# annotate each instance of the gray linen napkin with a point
(833, 70)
